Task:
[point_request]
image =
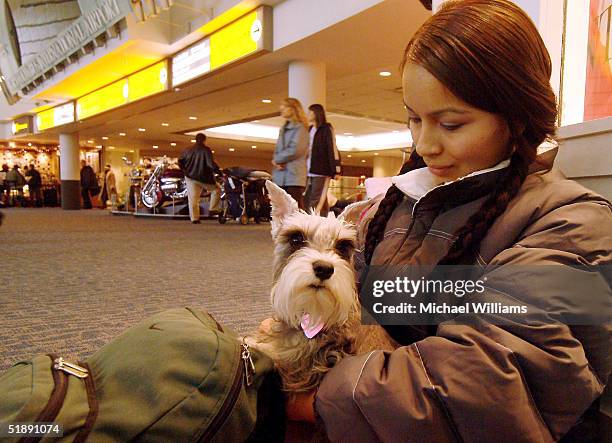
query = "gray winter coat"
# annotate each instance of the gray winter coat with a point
(291, 150)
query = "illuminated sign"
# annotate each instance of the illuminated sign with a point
(246, 36)
(108, 97)
(60, 115)
(22, 125)
(191, 63)
(147, 82)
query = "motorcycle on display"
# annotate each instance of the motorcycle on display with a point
(164, 184)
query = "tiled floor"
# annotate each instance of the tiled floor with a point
(73, 280)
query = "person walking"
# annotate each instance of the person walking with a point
(89, 183)
(289, 161)
(34, 185)
(199, 167)
(109, 189)
(323, 160)
(476, 192)
(16, 181)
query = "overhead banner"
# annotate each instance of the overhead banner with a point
(149, 81)
(60, 115)
(244, 37)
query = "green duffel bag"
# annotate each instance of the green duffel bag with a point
(177, 376)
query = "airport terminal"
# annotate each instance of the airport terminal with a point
(179, 174)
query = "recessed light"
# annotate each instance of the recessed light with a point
(177, 89)
(111, 147)
(131, 150)
(384, 73)
(99, 147)
(122, 134)
(254, 147)
(88, 141)
(213, 151)
(29, 144)
(231, 149)
(363, 161)
(104, 138)
(172, 144)
(349, 156)
(266, 100)
(255, 121)
(165, 124)
(155, 147)
(376, 153)
(348, 133)
(192, 140)
(192, 118)
(395, 131)
(142, 129)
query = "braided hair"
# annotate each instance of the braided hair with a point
(489, 54)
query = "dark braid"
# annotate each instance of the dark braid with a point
(471, 234)
(393, 197)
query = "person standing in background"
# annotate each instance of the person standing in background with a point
(109, 189)
(89, 182)
(34, 184)
(323, 160)
(199, 167)
(291, 149)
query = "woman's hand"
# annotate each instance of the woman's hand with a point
(279, 166)
(300, 407)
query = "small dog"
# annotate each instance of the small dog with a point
(314, 297)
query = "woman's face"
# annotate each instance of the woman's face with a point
(286, 112)
(453, 137)
(312, 119)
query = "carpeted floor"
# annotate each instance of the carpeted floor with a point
(73, 280)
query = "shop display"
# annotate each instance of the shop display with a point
(166, 183)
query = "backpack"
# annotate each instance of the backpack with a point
(177, 376)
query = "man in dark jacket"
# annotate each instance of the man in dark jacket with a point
(199, 167)
(34, 184)
(89, 183)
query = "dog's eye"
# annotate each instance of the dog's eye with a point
(344, 248)
(297, 240)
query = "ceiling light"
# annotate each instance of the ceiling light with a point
(395, 131)
(104, 138)
(142, 129)
(376, 153)
(99, 147)
(12, 144)
(192, 140)
(193, 118)
(172, 144)
(255, 121)
(131, 150)
(165, 124)
(348, 133)
(177, 89)
(90, 141)
(155, 147)
(266, 100)
(363, 161)
(122, 134)
(231, 149)
(254, 147)
(213, 151)
(349, 156)
(29, 144)
(111, 147)
(384, 73)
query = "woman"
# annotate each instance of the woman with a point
(323, 160)
(289, 159)
(476, 87)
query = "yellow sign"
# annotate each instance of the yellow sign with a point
(149, 81)
(103, 99)
(45, 119)
(20, 127)
(236, 40)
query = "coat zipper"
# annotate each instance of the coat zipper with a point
(245, 368)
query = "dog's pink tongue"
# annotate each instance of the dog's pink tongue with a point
(309, 329)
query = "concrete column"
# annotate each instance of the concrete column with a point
(386, 166)
(307, 82)
(70, 171)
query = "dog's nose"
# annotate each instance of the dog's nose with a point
(322, 270)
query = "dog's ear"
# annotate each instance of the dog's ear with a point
(283, 205)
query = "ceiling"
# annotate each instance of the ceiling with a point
(354, 51)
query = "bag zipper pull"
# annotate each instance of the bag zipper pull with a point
(249, 366)
(70, 368)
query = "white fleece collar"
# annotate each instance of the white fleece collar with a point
(419, 182)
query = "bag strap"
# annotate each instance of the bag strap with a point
(94, 407)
